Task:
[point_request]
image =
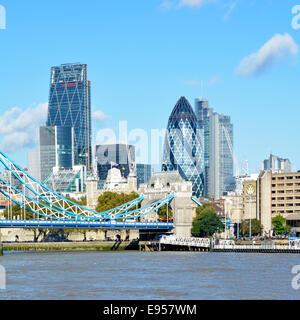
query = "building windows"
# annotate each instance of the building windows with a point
(183, 150)
(70, 106)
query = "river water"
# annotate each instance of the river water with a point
(153, 275)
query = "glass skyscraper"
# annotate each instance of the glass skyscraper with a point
(56, 145)
(183, 150)
(143, 173)
(217, 132)
(70, 106)
(277, 165)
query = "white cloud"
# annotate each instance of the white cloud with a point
(279, 46)
(231, 7)
(19, 128)
(191, 3)
(166, 5)
(99, 115)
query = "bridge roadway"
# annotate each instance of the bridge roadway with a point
(61, 224)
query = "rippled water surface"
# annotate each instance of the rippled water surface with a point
(153, 275)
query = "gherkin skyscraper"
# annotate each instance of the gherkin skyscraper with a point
(70, 106)
(183, 149)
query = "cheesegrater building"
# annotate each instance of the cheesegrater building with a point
(183, 150)
(70, 106)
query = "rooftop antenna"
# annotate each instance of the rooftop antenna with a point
(202, 96)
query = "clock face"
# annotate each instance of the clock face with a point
(250, 189)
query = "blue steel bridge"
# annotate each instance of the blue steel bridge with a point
(49, 209)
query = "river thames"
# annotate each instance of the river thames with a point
(154, 275)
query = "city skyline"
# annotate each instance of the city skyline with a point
(149, 153)
(132, 83)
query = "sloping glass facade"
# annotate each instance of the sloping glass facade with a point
(183, 150)
(70, 106)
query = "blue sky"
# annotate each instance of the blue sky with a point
(143, 55)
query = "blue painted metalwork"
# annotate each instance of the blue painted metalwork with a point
(159, 204)
(62, 218)
(64, 212)
(200, 204)
(105, 213)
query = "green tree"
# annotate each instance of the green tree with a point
(81, 202)
(163, 213)
(256, 227)
(206, 222)
(109, 200)
(279, 225)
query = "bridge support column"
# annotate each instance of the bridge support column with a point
(185, 211)
(92, 194)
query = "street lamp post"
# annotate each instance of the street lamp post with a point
(229, 202)
(250, 232)
(250, 191)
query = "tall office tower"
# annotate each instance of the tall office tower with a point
(56, 145)
(143, 173)
(183, 150)
(203, 112)
(277, 165)
(70, 106)
(121, 156)
(33, 163)
(217, 132)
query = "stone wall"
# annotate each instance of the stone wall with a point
(25, 235)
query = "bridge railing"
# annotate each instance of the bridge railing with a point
(84, 224)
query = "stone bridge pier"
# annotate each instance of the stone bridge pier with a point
(160, 186)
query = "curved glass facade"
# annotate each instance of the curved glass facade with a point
(183, 150)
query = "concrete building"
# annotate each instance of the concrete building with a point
(216, 131)
(276, 164)
(284, 191)
(270, 195)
